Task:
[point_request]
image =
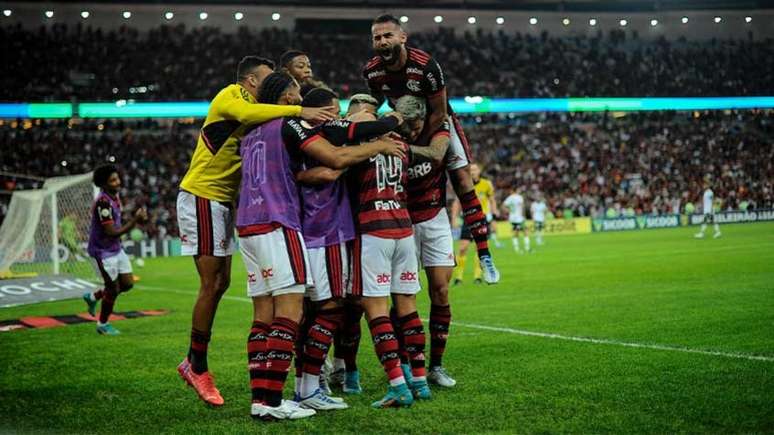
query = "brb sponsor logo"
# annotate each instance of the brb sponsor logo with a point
(408, 276)
(267, 273)
(418, 171)
(383, 278)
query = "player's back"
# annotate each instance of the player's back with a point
(708, 199)
(378, 191)
(214, 172)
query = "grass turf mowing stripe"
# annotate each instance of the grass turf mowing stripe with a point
(651, 346)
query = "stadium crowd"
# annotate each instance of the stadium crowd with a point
(584, 164)
(94, 64)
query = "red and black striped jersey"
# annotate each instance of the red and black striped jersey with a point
(377, 189)
(421, 76)
(427, 185)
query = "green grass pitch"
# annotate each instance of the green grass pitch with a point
(652, 288)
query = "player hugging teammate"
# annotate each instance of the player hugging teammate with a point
(334, 217)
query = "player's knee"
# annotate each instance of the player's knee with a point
(439, 292)
(223, 284)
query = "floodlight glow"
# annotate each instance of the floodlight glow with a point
(238, 16)
(566, 21)
(593, 22)
(654, 22)
(718, 20)
(684, 20)
(127, 15)
(747, 19)
(7, 12)
(438, 19)
(623, 23)
(533, 21)
(169, 15)
(203, 15)
(471, 20)
(500, 20)
(404, 19)
(276, 16)
(49, 14)
(85, 14)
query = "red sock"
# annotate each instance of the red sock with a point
(197, 352)
(279, 350)
(256, 360)
(319, 338)
(347, 340)
(440, 318)
(387, 348)
(475, 219)
(414, 341)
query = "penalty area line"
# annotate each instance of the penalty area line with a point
(522, 332)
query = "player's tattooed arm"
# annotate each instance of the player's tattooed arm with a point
(342, 157)
(319, 175)
(434, 153)
(437, 115)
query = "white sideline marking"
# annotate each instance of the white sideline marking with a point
(544, 334)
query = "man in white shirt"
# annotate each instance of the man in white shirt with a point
(709, 212)
(538, 211)
(515, 205)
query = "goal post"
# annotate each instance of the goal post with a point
(46, 230)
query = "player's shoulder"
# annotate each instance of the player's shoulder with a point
(418, 56)
(373, 64)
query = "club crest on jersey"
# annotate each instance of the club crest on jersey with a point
(105, 212)
(413, 85)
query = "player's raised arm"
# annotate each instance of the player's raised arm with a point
(434, 84)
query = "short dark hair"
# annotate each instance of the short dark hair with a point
(318, 97)
(289, 55)
(249, 63)
(102, 174)
(386, 18)
(274, 86)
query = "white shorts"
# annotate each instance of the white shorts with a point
(383, 266)
(330, 272)
(109, 268)
(458, 155)
(277, 263)
(206, 227)
(435, 244)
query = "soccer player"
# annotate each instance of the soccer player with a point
(272, 247)
(538, 211)
(297, 64)
(397, 70)
(328, 228)
(205, 204)
(385, 264)
(486, 195)
(105, 246)
(515, 205)
(709, 212)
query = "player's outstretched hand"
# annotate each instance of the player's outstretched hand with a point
(319, 114)
(141, 215)
(391, 148)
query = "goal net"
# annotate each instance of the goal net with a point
(46, 230)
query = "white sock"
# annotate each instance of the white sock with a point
(515, 243)
(526, 243)
(309, 384)
(339, 364)
(91, 297)
(717, 228)
(540, 238)
(703, 228)
(101, 324)
(397, 381)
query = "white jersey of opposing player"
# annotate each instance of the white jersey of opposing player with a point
(708, 197)
(538, 210)
(515, 205)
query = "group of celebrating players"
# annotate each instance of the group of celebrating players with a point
(334, 217)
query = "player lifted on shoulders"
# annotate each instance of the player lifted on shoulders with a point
(272, 247)
(515, 205)
(105, 246)
(398, 70)
(205, 204)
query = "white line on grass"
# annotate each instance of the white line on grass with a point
(545, 334)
